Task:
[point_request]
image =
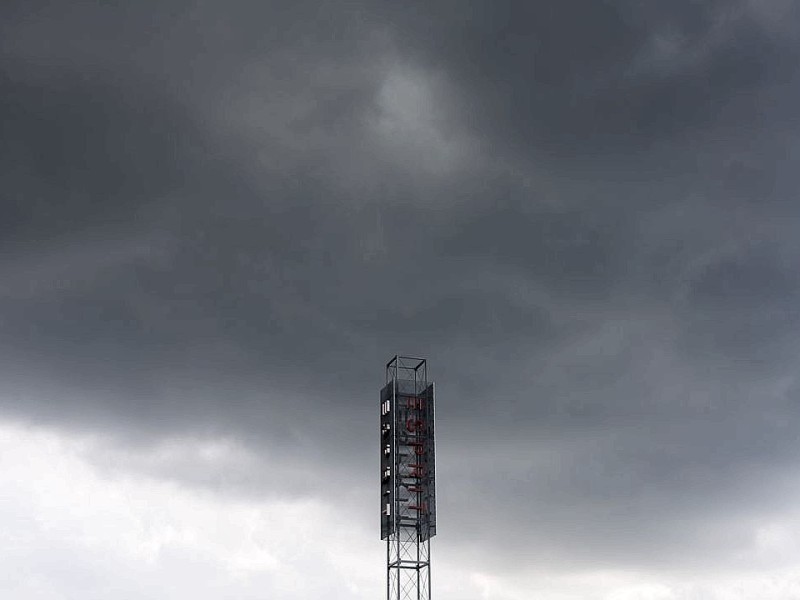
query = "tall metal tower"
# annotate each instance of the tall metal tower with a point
(408, 482)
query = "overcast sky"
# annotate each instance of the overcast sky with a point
(219, 220)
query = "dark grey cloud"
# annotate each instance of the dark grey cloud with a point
(581, 212)
(597, 78)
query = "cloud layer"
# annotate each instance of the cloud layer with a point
(218, 224)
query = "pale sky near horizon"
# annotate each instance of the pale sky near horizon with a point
(220, 220)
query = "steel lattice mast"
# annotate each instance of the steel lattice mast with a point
(408, 482)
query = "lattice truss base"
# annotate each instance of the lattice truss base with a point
(409, 565)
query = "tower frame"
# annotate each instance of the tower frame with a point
(408, 496)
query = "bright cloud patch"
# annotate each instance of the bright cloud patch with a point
(73, 527)
(413, 125)
(68, 531)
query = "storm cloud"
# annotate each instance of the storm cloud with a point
(219, 222)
